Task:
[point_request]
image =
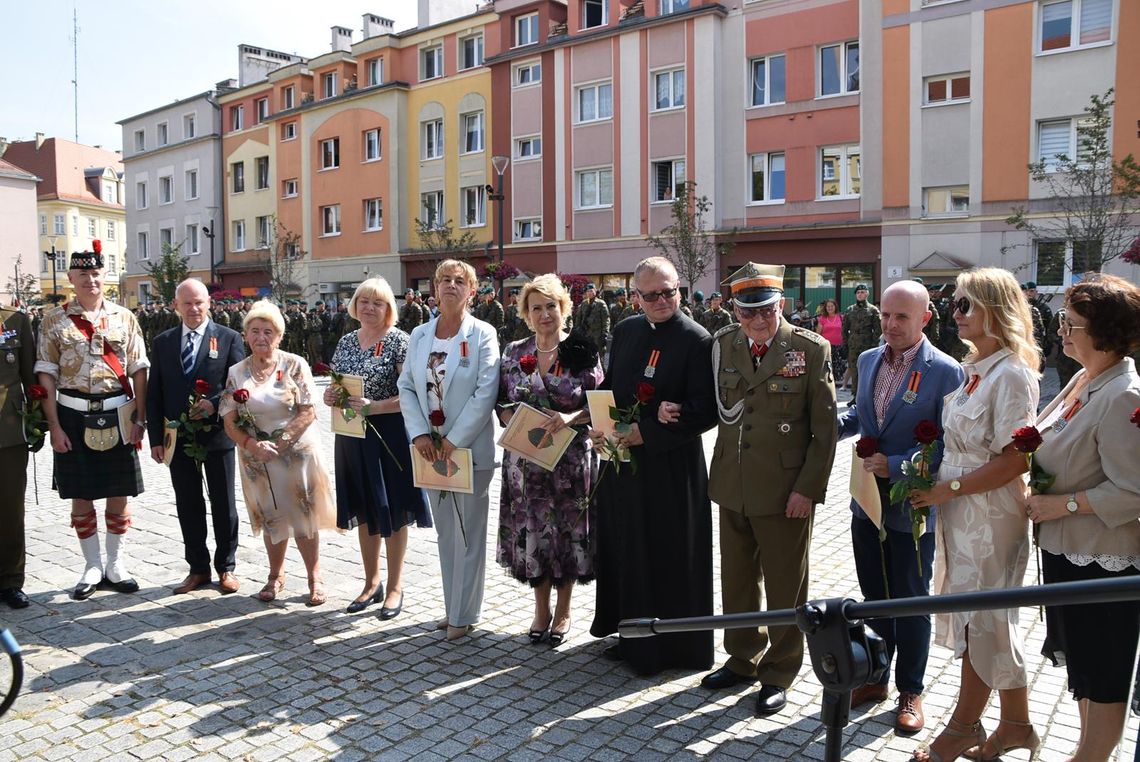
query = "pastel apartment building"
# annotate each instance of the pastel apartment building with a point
(19, 246)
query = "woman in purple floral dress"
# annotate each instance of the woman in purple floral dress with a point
(545, 530)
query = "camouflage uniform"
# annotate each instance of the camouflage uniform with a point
(861, 330)
(714, 320)
(593, 318)
(493, 313)
(409, 316)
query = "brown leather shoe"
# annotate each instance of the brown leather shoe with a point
(910, 718)
(229, 583)
(866, 694)
(191, 583)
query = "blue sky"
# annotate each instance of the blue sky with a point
(135, 55)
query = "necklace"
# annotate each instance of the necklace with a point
(260, 375)
(545, 351)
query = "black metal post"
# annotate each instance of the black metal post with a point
(209, 233)
(54, 284)
(499, 199)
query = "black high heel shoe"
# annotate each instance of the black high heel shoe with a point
(556, 638)
(357, 606)
(537, 636)
(392, 613)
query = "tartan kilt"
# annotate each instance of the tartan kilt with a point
(89, 475)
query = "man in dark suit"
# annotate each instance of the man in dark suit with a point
(901, 382)
(197, 349)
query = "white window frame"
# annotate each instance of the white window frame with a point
(140, 140)
(288, 131)
(237, 173)
(531, 71)
(375, 70)
(110, 230)
(166, 238)
(75, 226)
(328, 85)
(844, 74)
(289, 188)
(371, 145)
(43, 224)
(162, 132)
(1069, 274)
(165, 190)
(671, 6)
(584, 91)
(92, 227)
(766, 160)
(238, 228)
(845, 152)
(435, 54)
(190, 183)
(948, 81)
(665, 194)
(193, 240)
(428, 220)
(288, 97)
(142, 249)
(329, 150)
(605, 13)
(599, 200)
(767, 61)
(431, 138)
(535, 229)
(528, 147)
(264, 231)
(189, 126)
(1072, 151)
(467, 146)
(676, 95)
(952, 192)
(1076, 11)
(473, 198)
(330, 220)
(476, 42)
(373, 210)
(59, 224)
(528, 23)
(142, 199)
(261, 182)
(261, 109)
(237, 118)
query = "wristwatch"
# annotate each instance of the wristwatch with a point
(1072, 503)
(955, 485)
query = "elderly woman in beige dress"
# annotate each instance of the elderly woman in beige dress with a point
(267, 409)
(982, 532)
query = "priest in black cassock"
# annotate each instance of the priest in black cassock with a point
(654, 527)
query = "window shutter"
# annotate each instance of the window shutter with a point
(1053, 139)
(1096, 21)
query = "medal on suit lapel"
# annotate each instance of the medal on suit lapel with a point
(651, 367)
(10, 358)
(972, 385)
(213, 347)
(911, 393)
(464, 358)
(1063, 421)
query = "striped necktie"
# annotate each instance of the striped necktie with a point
(188, 354)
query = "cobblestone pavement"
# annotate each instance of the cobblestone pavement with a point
(159, 676)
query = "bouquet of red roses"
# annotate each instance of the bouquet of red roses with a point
(917, 476)
(33, 414)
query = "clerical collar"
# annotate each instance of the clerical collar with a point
(673, 319)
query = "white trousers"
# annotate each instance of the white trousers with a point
(463, 566)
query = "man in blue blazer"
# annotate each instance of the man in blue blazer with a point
(197, 349)
(901, 382)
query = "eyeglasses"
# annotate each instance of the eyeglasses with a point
(962, 305)
(750, 312)
(652, 296)
(1067, 328)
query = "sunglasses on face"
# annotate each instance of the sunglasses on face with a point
(962, 304)
(750, 312)
(652, 296)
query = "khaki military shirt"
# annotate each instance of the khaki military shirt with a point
(66, 354)
(17, 358)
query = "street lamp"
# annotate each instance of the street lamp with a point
(500, 164)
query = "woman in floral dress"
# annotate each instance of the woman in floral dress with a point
(267, 409)
(544, 527)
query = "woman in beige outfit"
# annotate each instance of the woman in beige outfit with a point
(982, 532)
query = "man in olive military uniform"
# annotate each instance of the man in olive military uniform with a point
(410, 313)
(17, 374)
(715, 317)
(861, 330)
(775, 445)
(593, 318)
(618, 308)
(317, 323)
(219, 314)
(1039, 301)
(698, 306)
(493, 311)
(514, 327)
(294, 327)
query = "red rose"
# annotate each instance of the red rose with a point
(241, 396)
(645, 392)
(528, 364)
(37, 392)
(321, 369)
(1027, 439)
(926, 432)
(1135, 415)
(437, 418)
(201, 386)
(866, 447)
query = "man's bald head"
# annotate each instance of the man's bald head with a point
(904, 314)
(191, 286)
(192, 302)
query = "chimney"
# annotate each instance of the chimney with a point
(3, 146)
(226, 85)
(341, 38)
(39, 140)
(375, 26)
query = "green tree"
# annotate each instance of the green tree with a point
(283, 262)
(168, 271)
(23, 286)
(688, 242)
(1091, 195)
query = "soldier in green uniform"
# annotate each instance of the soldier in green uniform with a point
(775, 445)
(619, 305)
(698, 306)
(219, 314)
(317, 323)
(1040, 327)
(593, 318)
(861, 330)
(410, 314)
(1038, 301)
(17, 374)
(515, 326)
(493, 312)
(715, 316)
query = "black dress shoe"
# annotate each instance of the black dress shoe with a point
(14, 597)
(358, 606)
(613, 653)
(770, 700)
(392, 613)
(83, 591)
(127, 585)
(724, 678)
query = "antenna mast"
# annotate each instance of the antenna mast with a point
(75, 65)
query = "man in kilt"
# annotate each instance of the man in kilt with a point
(91, 352)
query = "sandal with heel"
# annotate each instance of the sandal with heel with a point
(317, 594)
(1032, 744)
(953, 729)
(274, 585)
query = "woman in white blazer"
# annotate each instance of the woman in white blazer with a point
(449, 385)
